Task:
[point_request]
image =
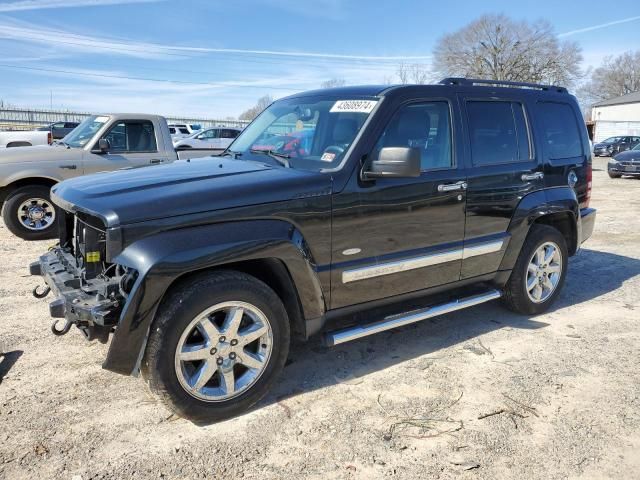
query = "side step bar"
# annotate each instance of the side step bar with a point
(394, 321)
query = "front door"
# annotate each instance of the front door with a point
(398, 235)
(132, 144)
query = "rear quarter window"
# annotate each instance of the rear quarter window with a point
(560, 132)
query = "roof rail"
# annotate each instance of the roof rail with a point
(500, 83)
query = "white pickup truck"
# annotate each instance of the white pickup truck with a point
(24, 138)
(100, 143)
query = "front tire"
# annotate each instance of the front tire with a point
(29, 213)
(218, 342)
(539, 273)
(614, 175)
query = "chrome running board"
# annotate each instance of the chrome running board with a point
(394, 321)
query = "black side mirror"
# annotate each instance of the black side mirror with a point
(397, 162)
(103, 145)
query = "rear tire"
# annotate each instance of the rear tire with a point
(29, 213)
(203, 364)
(536, 282)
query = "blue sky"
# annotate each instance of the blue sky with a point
(213, 58)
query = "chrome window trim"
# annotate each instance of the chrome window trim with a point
(398, 266)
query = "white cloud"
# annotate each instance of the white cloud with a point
(20, 5)
(63, 40)
(599, 26)
(70, 42)
(97, 90)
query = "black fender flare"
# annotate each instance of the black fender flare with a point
(163, 258)
(532, 208)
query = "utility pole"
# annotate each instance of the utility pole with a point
(51, 99)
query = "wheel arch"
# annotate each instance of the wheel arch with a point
(557, 207)
(271, 271)
(25, 182)
(273, 251)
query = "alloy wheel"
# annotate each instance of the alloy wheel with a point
(544, 272)
(223, 351)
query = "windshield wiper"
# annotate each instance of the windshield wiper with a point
(281, 158)
(231, 153)
(60, 142)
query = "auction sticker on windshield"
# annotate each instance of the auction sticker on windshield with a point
(353, 106)
(101, 119)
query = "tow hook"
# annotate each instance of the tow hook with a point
(41, 293)
(65, 329)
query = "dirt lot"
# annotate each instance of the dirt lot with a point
(482, 393)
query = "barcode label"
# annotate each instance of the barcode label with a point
(354, 106)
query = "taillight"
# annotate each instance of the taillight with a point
(587, 197)
(50, 138)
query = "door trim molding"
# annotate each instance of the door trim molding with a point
(421, 261)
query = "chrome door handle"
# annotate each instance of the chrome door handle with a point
(452, 187)
(532, 176)
(155, 160)
(69, 167)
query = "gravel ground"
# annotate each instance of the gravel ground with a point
(480, 394)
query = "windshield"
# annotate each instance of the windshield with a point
(84, 132)
(612, 140)
(312, 133)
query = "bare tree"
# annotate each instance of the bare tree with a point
(413, 73)
(403, 73)
(253, 112)
(616, 76)
(334, 82)
(500, 48)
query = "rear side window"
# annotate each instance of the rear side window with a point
(498, 132)
(226, 133)
(560, 130)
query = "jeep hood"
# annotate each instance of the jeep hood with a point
(40, 153)
(184, 187)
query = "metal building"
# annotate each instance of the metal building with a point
(615, 117)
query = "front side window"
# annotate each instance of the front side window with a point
(426, 126)
(79, 137)
(132, 137)
(498, 132)
(560, 130)
(208, 134)
(311, 133)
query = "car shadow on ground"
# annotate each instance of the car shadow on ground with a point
(312, 366)
(7, 361)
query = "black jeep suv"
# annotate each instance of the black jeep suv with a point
(387, 205)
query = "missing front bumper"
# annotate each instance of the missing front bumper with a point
(93, 306)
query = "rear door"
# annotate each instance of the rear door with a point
(563, 136)
(133, 144)
(503, 168)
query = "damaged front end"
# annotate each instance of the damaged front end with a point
(90, 292)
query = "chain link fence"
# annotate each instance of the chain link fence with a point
(14, 118)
